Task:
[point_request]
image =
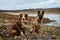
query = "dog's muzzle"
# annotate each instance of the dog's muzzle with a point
(40, 17)
(23, 18)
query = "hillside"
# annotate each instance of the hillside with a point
(49, 10)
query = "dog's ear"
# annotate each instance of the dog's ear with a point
(19, 17)
(38, 13)
(42, 12)
(26, 15)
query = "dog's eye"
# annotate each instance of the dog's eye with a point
(26, 15)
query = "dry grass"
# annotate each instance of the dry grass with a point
(46, 32)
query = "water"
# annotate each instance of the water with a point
(51, 16)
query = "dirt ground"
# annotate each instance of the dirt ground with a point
(45, 33)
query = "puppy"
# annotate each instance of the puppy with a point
(38, 21)
(19, 26)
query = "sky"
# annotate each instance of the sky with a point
(28, 4)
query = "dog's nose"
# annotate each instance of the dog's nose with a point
(23, 18)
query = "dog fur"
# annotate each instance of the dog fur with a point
(38, 21)
(19, 27)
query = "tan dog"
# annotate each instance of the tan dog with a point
(38, 21)
(20, 25)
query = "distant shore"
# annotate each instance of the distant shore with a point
(48, 10)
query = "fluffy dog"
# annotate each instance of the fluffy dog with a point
(20, 25)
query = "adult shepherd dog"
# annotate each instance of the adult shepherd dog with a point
(38, 21)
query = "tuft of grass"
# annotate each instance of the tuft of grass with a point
(47, 20)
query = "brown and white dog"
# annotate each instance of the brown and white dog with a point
(38, 21)
(20, 25)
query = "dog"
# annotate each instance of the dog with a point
(38, 21)
(20, 25)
